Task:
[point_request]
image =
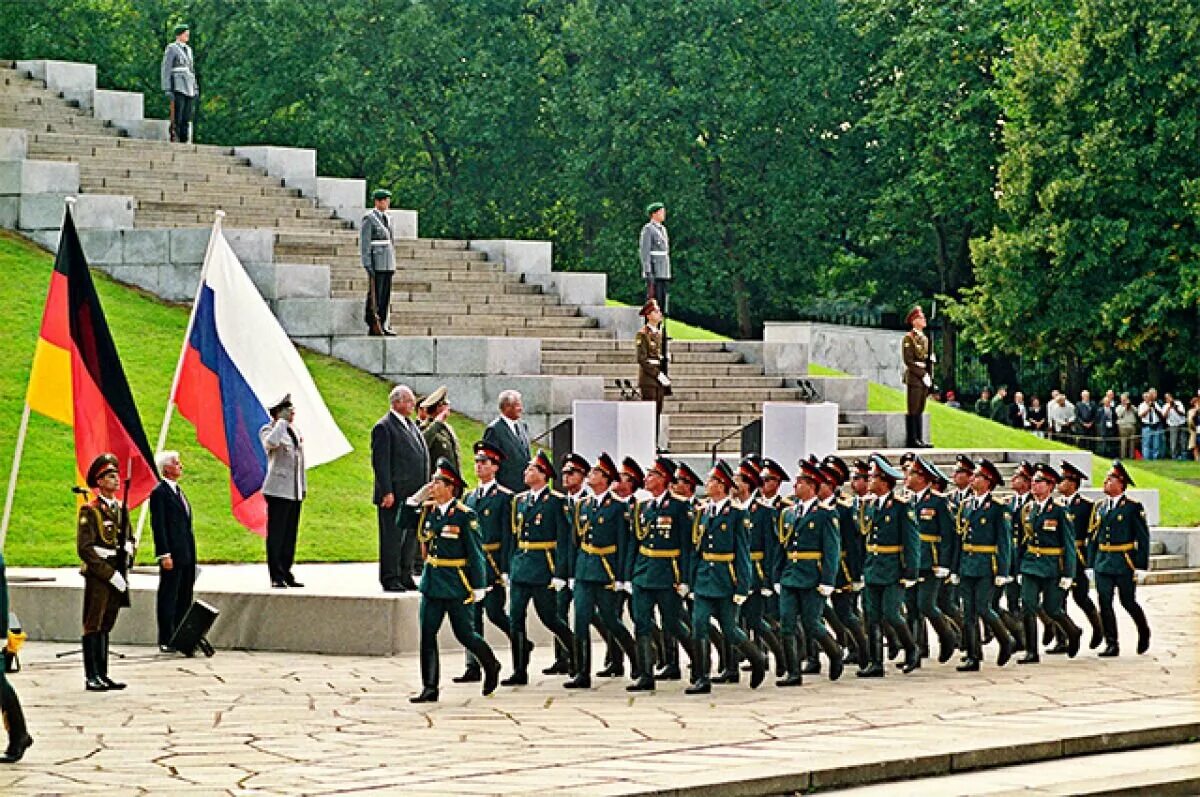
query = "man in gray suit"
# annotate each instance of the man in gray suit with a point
(284, 489)
(655, 249)
(178, 75)
(510, 436)
(400, 460)
(378, 249)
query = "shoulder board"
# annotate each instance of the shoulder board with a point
(558, 495)
(1058, 500)
(463, 506)
(846, 502)
(500, 488)
(902, 499)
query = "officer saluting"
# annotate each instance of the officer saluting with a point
(105, 546)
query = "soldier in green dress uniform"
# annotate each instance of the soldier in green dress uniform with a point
(657, 565)
(893, 555)
(936, 525)
(453, 579)
(1047, 563)
(805, 569)
(19, 739)
(573, 471)
(1082, 517)
(918, 375)
(538, 567)
(1008, 599)
(983, 563)
(852, 549)
(1119, 555)
(601, 534)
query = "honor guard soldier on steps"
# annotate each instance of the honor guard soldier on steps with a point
(653, 383)
(105, 545)
(178, 77)
(378, 251)
(1080, 511)
(918, 375)
(983, 563)
(1047, 563)
(1119, 555)
(936, 525)
(720, 580)
(893, 554)
(658, 568)
(654, 247)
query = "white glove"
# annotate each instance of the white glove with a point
(738, 600)
(927, 380)
(1064, 583)
(627, 587)
(682, 589)
(418, 498)
(766, 592)
(1091, 574)
(478, 594)
(557, 584)
(932, 357)
(778, 589)
(118, 581)
(1139, 576)
(941, 572)
(1020, 579)
(857, 586)
(953, 579)
(570, 583)
(908, 583)
(129, 549)
(825, 589)
(504, 579)
(1000, 581)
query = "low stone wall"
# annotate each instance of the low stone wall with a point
(860, 351)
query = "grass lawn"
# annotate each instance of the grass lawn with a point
(679, 330)
(338, 523)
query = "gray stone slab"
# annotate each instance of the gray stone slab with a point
(623, 321)
(189, 244)
(41, 212)
(346, 192)
(861, 351)
(47, 239)
(361, 352)
(346, 315)
(102, 247)
(144, 276)
(463, 355)
(319, 345)
(299, 280)
(305, 317)
(785, 359)
(110, 105)
(102, 210)
(38, 177)
(404, 223)
(588, 290)
(147, 129)
(145, 245)
(256, 246)
(69, 77)
(282, 162)
(466, 394)
(10, 212)
(409, 355)
(14, 143)
(566, 390)
(518, 257)
(263, 277)
(848, 392)
(178, 282)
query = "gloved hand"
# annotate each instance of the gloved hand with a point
(932, 357)
(682, 589)
(557, 584)
(478, 594)
(1000, 581)
(953, 579)
(570, 583)
(765, 592)
(1091, 574)
(1139, 576)
(1020, 578)
(908, 582)
(129, 549)
(857, 586)
(825, 589)
(738, 600)
(627, 587)
(118, 581)
(418, 498)
(778, 589)
(927, 380)
(941, 572)
(1064, 583)
(504, 579)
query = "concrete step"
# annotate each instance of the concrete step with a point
(629, 357)
(234, 219)
(1180, 576)
(133, 144)
(617, 371)
(405, 330)
(1168, 562)
(56, 126)
(170, 169)
(624, 345)
(452, 298)
(489, 314)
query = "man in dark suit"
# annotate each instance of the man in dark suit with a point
(174, 547)
(400, 460)
(509, 434)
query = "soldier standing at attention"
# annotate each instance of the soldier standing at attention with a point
(440, 438)
(936, 526)
(19, 739)
(983, 564)
(178, 77)
(453, 580)
(652, 361)
(1080, 511)
(378, 251)
(918, 375)
(104, 543)
(1047, 564)
(1119, 555)
(655, 250)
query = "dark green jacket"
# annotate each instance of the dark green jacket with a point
(1018, 510)
(454, 563)
(661, 543)
(892, 541)
(1122, 539)
(935, 521)
(602, 538)
(541, 532)
(762, 521)
(721, 567)
(494, 512)
(852, 543)
(810, 547)
(1049, 549)
(1079, 509)
(988, 527)
(441, 442)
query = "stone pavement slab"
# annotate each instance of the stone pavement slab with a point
(255, 723)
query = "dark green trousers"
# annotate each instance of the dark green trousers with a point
(493, 606)
(977, 593)
(433, 611)
(669, 607)
(881, 602)
(543, 599)
(1038, 593)
(724, 609)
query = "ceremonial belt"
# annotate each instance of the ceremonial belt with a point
(607, 550)
(488, 549)
(458, 564)
(804, 556)
(721, 557)
(189, 69)
(102, 551)
(1080, 543)
(659, 253)
(756, 556)
(1037, 551)
(381, 243)
(885, 549)
(491, 546)
(969, 548)
(548, 546)
(1109, 548)
(930, 538)
(659, 553)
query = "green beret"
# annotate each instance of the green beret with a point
(180, 29)
(380, 193)
(654, 206)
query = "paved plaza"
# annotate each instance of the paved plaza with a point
(273, 723)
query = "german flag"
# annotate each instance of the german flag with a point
(77, 376)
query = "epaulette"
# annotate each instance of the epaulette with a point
(557, 494)
(1058, 500)
(504, 490)
(846, 502)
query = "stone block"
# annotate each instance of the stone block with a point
(189, 244)
(848, 392)
(791, 431)
(150, 246)
(41, 212)
(62, 76)
(102, 247)
(14, 143)
(305, 317)
(566, 390)
(466, 394)
(178, 282)
(361, 352)
(404, 223)
(112, 105)
(888, 425)
(38, 177)
(257, 246)
(623, 321)
(263, 277)
(1181, 542)
(283, 162)
(10, 212)
(47, 239)
(409, 355)
(319, 345)
(574, 287)
(785, 359)
(300, 280)
(518, 257)
(333, 192)
(144, 276)
(462, 355)
(622, 428)
(146, 129)
(104, 211)
(81, 98)
(347, 316)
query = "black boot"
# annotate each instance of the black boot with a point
(472, 674)
(700, 684)
(491, 668)
(561, 665)
(776, 647)
(1097, 628)
(645, 652)
(1060, 643)
(948, 640)
(520, 660)
(102, 664)
(1111, 647)
(583, 664)
(874, 668)
(19, 739)
(1031, 644)
(833, 651)
(972, 646)
(912, 653)
(1006, 642)
(731, 674)
(860, 643)
(1143, 628)
(431, 666)
(1048, 628)
(1074, 634)
(428, 694)
(670, 670)
(758, 662)
(812, 662)
(614, 659)
(910, 431)
(791, 655)
(91, 655)
(1016, 630)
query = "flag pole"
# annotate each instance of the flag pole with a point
(166, 424)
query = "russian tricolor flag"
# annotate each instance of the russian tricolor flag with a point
(237, 361)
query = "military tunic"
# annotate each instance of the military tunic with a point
(1047, 554)
(1120, 546)
(935, 522)
(761, 524)
(1079, 509)
(492, 505)
(441, 441)
(893, 553)
(917, 366)
(659, 561)
(104, 543)
(602, 540)
(721, 568)
(541, 532)
(986, 552)
(809, 555)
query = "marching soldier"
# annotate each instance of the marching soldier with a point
(492, 504)
(683, 487)
(378, 252)
(1018, 507)
(453, 579)
(601, 534)
(983, 564)
(541, 530)
(574, 470)
(720, 580)
(893, 555)
(658, 567)
(850, 554)
(653, 383)
(104, 543)
(178, 78)
(1047, 564)
(936, 525)
(19, 739)
(1080, 511)
(1119, 555)
(805, 571)
(918, 375)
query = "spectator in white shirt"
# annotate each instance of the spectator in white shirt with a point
(1150, 412)
(1176, 418)
(1061, 416)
